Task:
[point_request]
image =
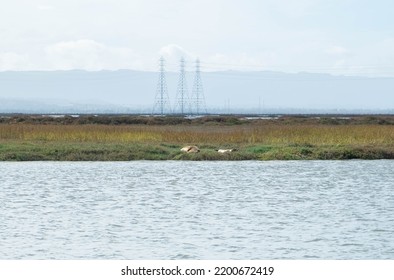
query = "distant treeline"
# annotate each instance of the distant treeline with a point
(204, 120)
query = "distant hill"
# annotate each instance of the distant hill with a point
(127, 91)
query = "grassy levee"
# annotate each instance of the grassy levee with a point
(254, 140)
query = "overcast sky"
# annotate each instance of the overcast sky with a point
(353, 37)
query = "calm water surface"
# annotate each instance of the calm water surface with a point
(197, 210)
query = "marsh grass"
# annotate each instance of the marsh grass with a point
(229, 135)
(162, 142)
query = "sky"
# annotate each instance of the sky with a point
(341, 37)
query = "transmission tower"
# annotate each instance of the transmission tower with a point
(182, 104)
(198, 100)
(162, 101)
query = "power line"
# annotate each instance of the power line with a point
(162, 101)
(182, 104)
(198, 99)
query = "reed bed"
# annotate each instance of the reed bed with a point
(163, 142)
(243, 134)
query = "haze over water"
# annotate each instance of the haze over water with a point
(197, 210)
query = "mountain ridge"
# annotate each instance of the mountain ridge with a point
(225, 91)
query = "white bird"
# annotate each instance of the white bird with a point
(190, 149)
(224, 151)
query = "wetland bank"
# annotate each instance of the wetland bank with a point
(132, 137)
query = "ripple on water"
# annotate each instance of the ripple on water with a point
(221, 210)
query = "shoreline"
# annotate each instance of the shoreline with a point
(109, 152)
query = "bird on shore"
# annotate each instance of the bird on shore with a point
(225, 151)
(190, 149)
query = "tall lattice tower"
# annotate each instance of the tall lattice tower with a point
(182, 105)
(197, 100)
(162, 101)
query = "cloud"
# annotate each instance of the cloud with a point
(240, 61)
(375, 59)
(14, 61)
(173, 53)
(90, 55)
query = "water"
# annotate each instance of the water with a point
(197, 210)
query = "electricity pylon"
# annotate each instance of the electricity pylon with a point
(198, 101)
(162, 101)
(182, 105)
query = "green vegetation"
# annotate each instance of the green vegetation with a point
(118, 138)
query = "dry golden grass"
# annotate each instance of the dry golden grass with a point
(271, 134)
(268, 141)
